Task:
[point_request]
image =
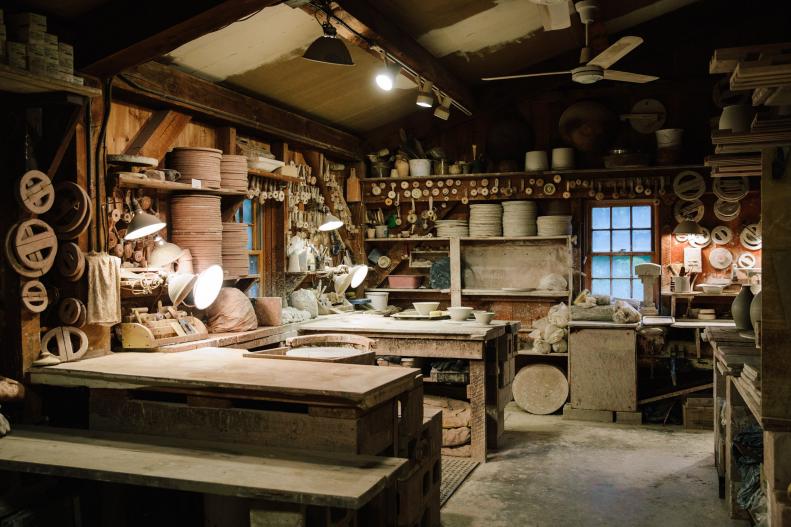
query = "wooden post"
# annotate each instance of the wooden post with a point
(455, 272)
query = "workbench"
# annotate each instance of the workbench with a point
(490, 351)
(217, 394)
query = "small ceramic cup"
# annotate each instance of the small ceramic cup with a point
(381, 231)
(370, 232)
(483, 318)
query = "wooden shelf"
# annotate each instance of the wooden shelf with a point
(531, 353)
(399, 290)
(126, 181)
(752, 403)
(271, 175)
(471, 239)
(16, 80)
(581, 173)
(500, 292)
(405, 240)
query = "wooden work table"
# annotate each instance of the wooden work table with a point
(490, 351)
(217, 394)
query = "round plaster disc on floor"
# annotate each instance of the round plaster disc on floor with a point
(540, 389)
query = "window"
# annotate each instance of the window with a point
(621, 237)
(249, 214)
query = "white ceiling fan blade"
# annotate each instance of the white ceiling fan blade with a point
(525, 75)
(616, 52)
(555, 16)
(625, 76)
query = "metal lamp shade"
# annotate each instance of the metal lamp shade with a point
(688, 227)
(329, 50)
(180, 286)
(143, 224)
(330, 223)
(165, 254)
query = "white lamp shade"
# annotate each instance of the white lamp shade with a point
(358, 272)
(330, 223)
(180, 286)
(165, 254)
(207, 287)
(143, 224)
(385, 78)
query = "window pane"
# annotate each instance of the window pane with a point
(600, 266)
(600, 218)
(620, 266)
(600, 241)
(620, 217)
(621, 288)
(253, 264)
(641, 241)
(637, 290)
(253, 291)
(250, 238)
(641, 217)
(247, 211)
(637, 260)
(600, 287)
(621, 241)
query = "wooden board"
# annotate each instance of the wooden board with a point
(226, 370)
(488, 266)
(602, 369)
(379, 325)
(295, 476)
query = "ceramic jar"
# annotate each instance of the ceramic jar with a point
(402, 167)
(740, 309)
(756, 311)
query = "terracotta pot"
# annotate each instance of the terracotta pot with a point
(740, 309)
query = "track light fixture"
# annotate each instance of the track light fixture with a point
(329, 48)
(385, 77)
(425, 95)
(443, 110)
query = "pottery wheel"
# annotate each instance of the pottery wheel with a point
(540, 389)
(36, 192)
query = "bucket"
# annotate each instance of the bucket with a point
(680, 284)
(419, 167)
(378, 300)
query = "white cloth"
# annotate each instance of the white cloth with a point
(104, 289)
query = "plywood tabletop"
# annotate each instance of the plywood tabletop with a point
(296, 476)
(227, 371)
(388, 326)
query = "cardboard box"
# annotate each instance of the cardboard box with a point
(17, 55)
(36, 59)
(33, 21)
(66, 57)
(27, 35)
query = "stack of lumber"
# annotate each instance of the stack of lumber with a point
(456, 429)
(751, 375)
(699, 413)
(197, 226)
(198, 163)
(728, 142)
(763, 68)
(734, 165)
(235, 259)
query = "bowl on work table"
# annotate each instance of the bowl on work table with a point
(712, 289)
(459, 314)
(425, 308)
(483, 318)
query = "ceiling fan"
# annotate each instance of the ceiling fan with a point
(596, 69)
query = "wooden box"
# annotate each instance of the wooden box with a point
(698, 417)
(418, 493)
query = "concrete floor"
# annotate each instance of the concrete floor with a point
(552, 472)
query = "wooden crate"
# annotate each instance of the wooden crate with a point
(418, 493)
(330, 429)
(699, 413)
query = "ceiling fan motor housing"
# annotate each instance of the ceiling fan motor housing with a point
(587, 74)
(588, 10)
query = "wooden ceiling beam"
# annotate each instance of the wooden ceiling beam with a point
(163, 86)
(364, 18)
(119, 35)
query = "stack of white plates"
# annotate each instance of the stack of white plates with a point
(486, 219)
(554, 225)
(452, 228)
(519, 218)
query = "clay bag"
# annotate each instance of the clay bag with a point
(232, 311)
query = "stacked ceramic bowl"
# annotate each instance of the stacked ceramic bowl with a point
(197, 226)
(235, 261)
(486, 220)
(554, 225)
(198, 163)
(452, 228)
(233, 172)
(519, 218)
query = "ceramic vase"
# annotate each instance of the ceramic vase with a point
(740, 309)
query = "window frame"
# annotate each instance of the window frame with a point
(655, 235)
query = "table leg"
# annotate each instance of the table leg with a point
(476, 391)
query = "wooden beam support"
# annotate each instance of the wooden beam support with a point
(75, 117)
(166, 87)
(119, 35)
(158, 134)
(363, 16)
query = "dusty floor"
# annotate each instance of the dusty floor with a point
(552, 472)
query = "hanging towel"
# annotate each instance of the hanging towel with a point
(104, 289)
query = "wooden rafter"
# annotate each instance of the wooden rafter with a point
(158, 134)
(363, 16)
(165, 87)
(119, 35)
